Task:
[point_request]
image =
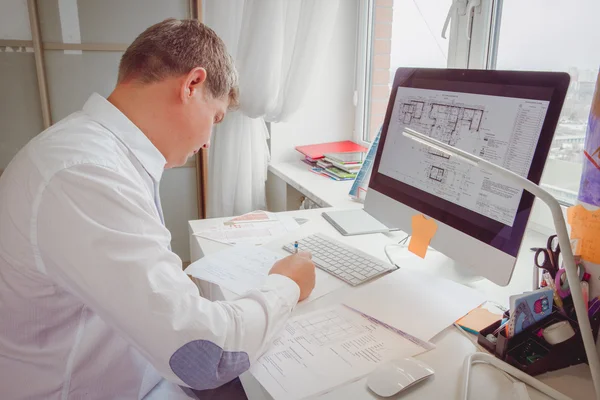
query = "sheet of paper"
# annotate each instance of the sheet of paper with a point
(254, 216)
(322, 350)
(252, 233)
(423, 230)
(585, 226)
(419, 304)
(238, 269)
(244, 267)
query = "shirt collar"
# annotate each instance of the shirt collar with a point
(109, 116)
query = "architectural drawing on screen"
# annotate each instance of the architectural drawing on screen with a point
(502, 130)
(446, 122)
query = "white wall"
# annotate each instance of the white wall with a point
(327, 113)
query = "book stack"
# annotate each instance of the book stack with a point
(339, 161)
(341, 166)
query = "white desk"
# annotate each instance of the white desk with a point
(452, 347)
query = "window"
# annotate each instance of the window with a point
(403, 33)
(550, 35)
(559, 38)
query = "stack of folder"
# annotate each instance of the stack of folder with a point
(336, 160)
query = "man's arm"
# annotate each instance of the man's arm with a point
(98, 237)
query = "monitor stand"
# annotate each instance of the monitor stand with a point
(435, 263)
(452, 270)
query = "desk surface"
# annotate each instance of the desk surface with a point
(451, 346)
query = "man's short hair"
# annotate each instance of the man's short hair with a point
(175, 47)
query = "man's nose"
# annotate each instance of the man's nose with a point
(207, 145)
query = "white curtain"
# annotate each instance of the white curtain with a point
(277, 46)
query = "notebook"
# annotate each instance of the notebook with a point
(354, 222)
(317, 151)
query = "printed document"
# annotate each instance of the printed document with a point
(419, 304)
(250, 231)
(325, 349)
(244, 267)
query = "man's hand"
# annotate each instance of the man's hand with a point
(299, 268)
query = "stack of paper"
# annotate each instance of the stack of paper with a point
(325, 349)
(341, 166)
(338, 160)
(238, 269)
(242, 268)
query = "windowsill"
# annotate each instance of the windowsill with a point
(323, 191)
(329, 193)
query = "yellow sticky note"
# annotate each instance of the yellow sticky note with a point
(423, 230)
(585, 227)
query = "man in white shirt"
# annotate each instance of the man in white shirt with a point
(93, 303)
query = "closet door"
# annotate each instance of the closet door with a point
(83, 41)
(20, 111)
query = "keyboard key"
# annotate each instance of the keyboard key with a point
(371, 273)
(339, 260)
(358, 275)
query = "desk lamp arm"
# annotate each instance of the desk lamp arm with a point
(561, 231)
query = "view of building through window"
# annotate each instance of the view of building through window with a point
(413, 30)
(552, 35)
(540, 35)
(559, 38)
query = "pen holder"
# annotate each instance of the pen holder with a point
(531, 353)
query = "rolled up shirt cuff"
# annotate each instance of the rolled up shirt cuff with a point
(287, 289)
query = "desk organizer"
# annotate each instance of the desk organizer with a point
(529, 351)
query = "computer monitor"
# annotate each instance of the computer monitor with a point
(505, 117)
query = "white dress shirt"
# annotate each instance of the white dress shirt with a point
(93, 303)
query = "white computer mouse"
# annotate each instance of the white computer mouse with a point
(392, 377)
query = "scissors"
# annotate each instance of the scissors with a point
(562, 284)
(548, 258)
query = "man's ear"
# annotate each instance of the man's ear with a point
(193, 83)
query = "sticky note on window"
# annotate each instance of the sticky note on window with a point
(423, 230)
(585, 228)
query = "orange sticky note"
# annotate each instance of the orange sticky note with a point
(478, 319)
(423, 230)
(585, 228)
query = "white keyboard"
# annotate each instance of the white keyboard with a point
(340, 260)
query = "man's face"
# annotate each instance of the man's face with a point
(198, 116)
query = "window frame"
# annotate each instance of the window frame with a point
(364, 60)
(458, 57)
(476, 53)
(486, 29)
